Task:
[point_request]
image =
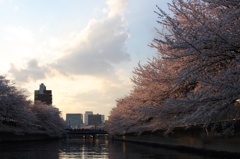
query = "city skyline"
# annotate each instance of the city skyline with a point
(75, 120)
(84, 52)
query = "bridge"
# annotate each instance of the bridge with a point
(85, 131)
(92, 133)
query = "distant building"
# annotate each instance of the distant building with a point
(87, 113)
(95, 119)
(43, 95)
(74, 120)
(103, 118)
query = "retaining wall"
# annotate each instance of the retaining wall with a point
(191, 139)
(13, 137)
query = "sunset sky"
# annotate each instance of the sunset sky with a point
(82, 50)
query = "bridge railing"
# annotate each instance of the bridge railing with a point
(85, 131)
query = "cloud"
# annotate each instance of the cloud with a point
(94, 51)
(96, 48)
(115, 7)
(32, 72)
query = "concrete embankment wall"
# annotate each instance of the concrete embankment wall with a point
(190, 140)
(12, 137)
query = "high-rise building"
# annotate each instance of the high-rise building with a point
(74, 120)
(95, 119)
(87, 113)
(43, 95)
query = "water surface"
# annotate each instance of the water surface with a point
(88, 149)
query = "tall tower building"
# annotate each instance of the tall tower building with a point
(87, 113)
(43, 95)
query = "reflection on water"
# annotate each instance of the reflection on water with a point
(87, 149)
(84, 149)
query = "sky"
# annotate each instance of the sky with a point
(82, 50)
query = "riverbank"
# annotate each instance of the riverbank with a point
(7, 137)
(15, 135)
(188, 140)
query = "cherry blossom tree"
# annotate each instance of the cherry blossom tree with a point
(139, 111)
(14, 106)
(195, 79)
(203, 36)
(19, 113)
(49, 118)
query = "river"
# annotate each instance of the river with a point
(87, 149)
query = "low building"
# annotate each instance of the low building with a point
(87, 113)
(74, 121)
(96, 119)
